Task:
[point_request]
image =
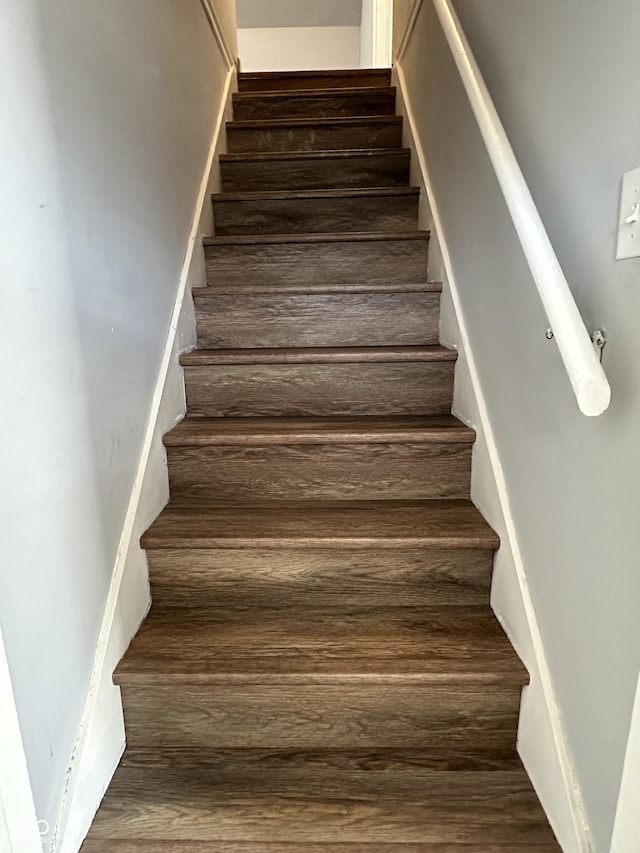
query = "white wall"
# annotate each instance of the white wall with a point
(561, 83)
(108, 114)
(299, 48)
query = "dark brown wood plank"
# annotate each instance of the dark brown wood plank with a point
(320, 797)
(269, 81)
(314, 578)
(315, 170)
(110, 845)
(320, 355)
(345, 524)
(379, 471)
(303, 211)
(315, 134)
(367, 257)
(363, 101)
(290, 389)
(384, 645)
(199, 432)
(266, 717)
(314, 320)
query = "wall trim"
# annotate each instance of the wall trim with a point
(583, 837)
(101, 668)
(218, 32)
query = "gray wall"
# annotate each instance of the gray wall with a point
(299, 13)
(108, 111)
(562, 76)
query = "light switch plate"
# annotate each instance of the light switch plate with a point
(629, 222)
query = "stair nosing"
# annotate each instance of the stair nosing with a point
(210, 432)
(328, 92)
(317, 237)
(324, 154)
(318, 355)
(211, 291)
(300, 121)
(316, 72)
(295, 195)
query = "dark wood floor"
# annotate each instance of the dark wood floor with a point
(320, 670)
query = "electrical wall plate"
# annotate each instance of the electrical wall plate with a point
(629, 222)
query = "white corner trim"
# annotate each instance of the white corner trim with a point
(382, 33)
(100, 674)
(408, 30)
(218, 32)
(19, 829)
(584, 840)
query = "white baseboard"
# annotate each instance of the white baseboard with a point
(100, 741)
(542, 742)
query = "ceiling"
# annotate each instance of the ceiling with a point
(299, 13)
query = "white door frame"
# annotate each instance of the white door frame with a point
(376, 33)
(382, 33)
(19, 829)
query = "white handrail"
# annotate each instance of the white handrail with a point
(587, 377)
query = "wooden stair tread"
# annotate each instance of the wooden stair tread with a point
(249, 644)
(342, 237)
(362, 800)
(337, 524)
(337, 154)
(309, 121)
(319, 355)
(340, 74)
(249, 289)
(327, 92)
(357, 192)
(201, 432)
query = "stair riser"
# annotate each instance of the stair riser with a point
(256, 108)
(294, 82)
(319, 472)
(320, 389)
(324, 137)
(316, 215)
(317, 578)
(360, 319)
(369, 262)
(379, 170)
(308, 717)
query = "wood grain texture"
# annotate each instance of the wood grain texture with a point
(375, 209)
(342, 524)
(326, 797)
(280, 81)
(314, 320)
(320, 355)
(320, 389)
(383, 257)
(314, 134)
(211, 432)
(454, 646)
(360, 717)
(320, 671)
(315, 170)
(319, 472)
(110, 845)
(290, 287)
(316, 578)
(364, 101)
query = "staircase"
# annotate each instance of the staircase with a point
(320, 671)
